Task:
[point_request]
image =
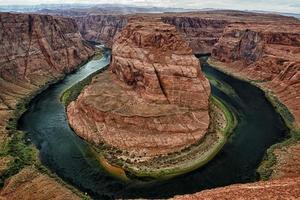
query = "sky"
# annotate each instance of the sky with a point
(266, 5)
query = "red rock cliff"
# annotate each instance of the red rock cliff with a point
(268, 53)
(34, 50)
(201, 30)
(153, 101)
(101, 28)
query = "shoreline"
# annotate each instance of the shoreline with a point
(188, 164)
(123, 169)
(265, 169)
(17, 145)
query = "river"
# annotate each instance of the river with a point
(67, 155)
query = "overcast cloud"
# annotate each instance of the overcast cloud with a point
(267, 5)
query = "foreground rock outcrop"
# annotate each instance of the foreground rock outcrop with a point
(34, 51)
(33, 185)
(288, 188)
(154, 100)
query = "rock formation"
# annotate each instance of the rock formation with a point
(201, 30)
(29, 183)
(34, 50)
(101, 28)
(288, 188)
(154, 99)
(266, 53)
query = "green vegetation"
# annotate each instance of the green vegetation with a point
(231, 120)
(22, 153)
(15, 147)
(266, 167)
(221, 85)
(73, 92)
(177, 163)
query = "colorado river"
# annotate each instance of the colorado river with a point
(70, 158)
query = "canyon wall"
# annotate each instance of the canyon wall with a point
(201, 30)
(200, 33)
(34, 50)
(101, 28)
(156, 97)
(265, 53)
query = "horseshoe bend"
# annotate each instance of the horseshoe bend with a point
(109, 102)
(152, 102)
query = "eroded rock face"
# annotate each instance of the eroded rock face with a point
(34, 50)
(200, 33)
(201, 30)
(268, 54)
(101, 28)
(154, 100)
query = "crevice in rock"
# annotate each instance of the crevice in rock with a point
(160, 84)
(30, 30)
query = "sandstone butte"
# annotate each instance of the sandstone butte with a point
(34, 51)
(154, 99)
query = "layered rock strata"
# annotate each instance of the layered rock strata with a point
(101, 28)
(201, 30)
(34, 50)
(268, 54)
(154, 99)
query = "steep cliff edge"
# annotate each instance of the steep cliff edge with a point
(101, 28)
(153, 101)
(34, 51)
(268, 55)
(201, 30)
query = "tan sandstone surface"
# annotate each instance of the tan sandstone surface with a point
(34, 50)
(154, 99)
(30, 184)
(287, 188)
